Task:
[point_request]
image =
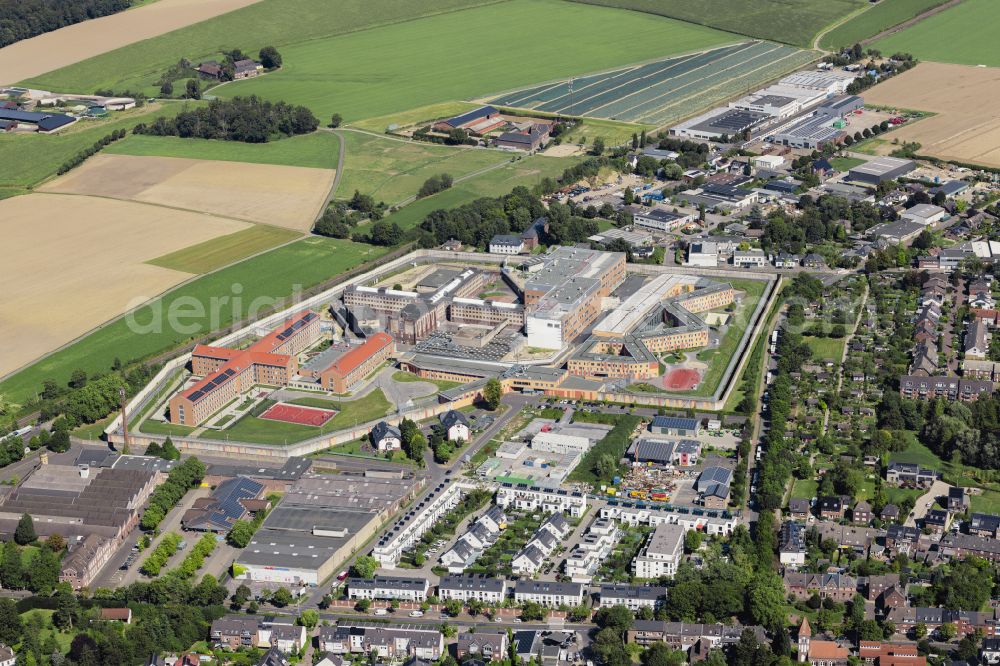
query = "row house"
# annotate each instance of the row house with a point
(838, 587)
(896, 654)
(387, 641)
(548, 593)
(985, 524)
(910, 475)
(596, 545)
(961, 546)
(535, 498)
(388, 587)
(632, 597)
(684, 635)
(483, 588)
(966, 622)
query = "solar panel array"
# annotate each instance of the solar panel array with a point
(210, 385)
(288, 332)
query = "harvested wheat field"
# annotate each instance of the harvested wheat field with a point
(72, 263)
(958, 94)
(59, 48)
(283, 196)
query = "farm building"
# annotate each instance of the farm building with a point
(44, 122)
(481, 120)
(246, 69)
(531, 140)
(881, 169)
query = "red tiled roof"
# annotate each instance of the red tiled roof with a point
(122, 614)
(826, 650)
(353, 358)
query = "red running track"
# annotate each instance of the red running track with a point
(682, 379)
(311, 416)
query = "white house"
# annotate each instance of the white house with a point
(385, 437)
(464, 588)
(388, 587)
(749, 258)
(504, 244)
(457, 426)
(548, 593)
(661, 554)
(531, 498)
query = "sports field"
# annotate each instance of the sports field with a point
(267, 278)
(73, 262)
(875, 19)
(283, 196)
(964, 34)
(319, 150)
(464, 55)
(274, 22)
(957, 95)
(308, 416)
(210, 255)
(59, 48)
(787, 21)
(664, 90)
(393, 170)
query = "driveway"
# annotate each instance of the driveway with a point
(926, 501)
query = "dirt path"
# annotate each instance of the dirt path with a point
(916, 19)
(69, 45)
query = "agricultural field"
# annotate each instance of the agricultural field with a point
(73, 43)
(210, 255)
(268, 22)
(874, 20)
(393, 170)
(283, 196)
(85, 264)
(665, 90)
(269, 278)
(794, 22)
(527, 171)
(957, 95)
(28, 159)
(963, 34)
(477, 51)
(319, 150)
(420, 116)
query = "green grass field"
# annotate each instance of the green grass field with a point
(961, 34)
(263, 431)
(719, 358)
(269, 277)
(527, 171)
(787, 21)
(319, 149)
(465, 55)
(874, 20)
(391, 170)
(422, 115)
(845, 164)
(27, 159)
(825, 347)
(804, 488)
(269, 22)
(218, 252)
(986, 502)
(442, 384)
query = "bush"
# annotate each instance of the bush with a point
(164, 498)
(163, 552)
(246, 119)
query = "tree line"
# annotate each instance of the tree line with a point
(21, 19)
(99, 145)
(246, 119)
(182, 478)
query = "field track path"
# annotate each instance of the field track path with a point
(913, 21)
(836, 24)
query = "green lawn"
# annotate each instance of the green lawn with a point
(274, 22)
(845, 164)
(987, 502)
(804, 489)
(719, 357)
(467, 55)
(527, 171)
(788, 21)
(222, 251)
(392, 170)
(27, 159)
(420, 116)
(442, 384)
(963, 34)
(824, 348)
(152, 427)
(356, 448)
(270, 277)
(874, 20)
(319, 149)
(263, 431)
(62, 639)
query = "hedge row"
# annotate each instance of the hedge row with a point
(163, 552)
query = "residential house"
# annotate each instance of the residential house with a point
(966, 622)
(862, 513)
(685, 635)
(910, 475)
(831, 507)
(389, 642)
(484, 644)
(799, 509)
(486, 589)
(548, 593)
(246, 69)
(958, 500)
(506, 244)
(936, 520)
(388, 587)
(879, 653)
(792, 544)
(876, 585)
(632, 597)
(838, 587)
(985, 524)
(234, 631)
(385, 437)
(456, 425)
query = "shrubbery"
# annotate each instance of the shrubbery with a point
(435, 184)
(164, 498)
(79, 158)
(163, 552)
(246, 119)
(196, 558)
